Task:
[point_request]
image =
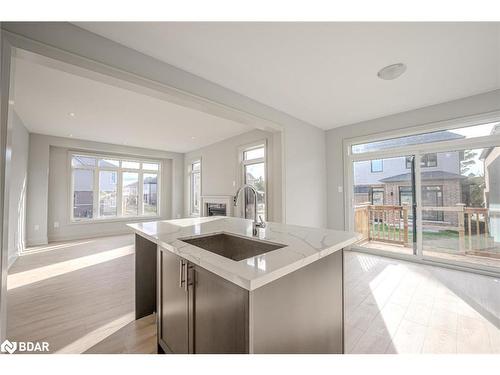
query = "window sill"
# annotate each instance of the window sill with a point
(115, 220)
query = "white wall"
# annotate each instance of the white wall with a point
(48, 188)
(304, 161)
(18, 183)
(221, 169)
(473, 105)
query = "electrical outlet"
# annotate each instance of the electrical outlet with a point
(37, 227)
(340, 189)
(56, 224)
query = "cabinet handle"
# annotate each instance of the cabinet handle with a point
(187, 283)
(181, 269)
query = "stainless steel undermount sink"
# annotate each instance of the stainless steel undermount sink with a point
(231, 246)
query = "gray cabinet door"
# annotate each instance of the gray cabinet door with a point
(220, 314)
(173, 319)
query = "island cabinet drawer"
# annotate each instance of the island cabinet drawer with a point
(198, 311)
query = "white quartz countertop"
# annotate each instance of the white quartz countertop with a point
(304, 245)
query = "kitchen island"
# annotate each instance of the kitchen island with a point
(216, 288)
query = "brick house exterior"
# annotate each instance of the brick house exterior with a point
(441, 185)
(451, 190)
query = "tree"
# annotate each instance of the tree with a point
(473, 185)
(468, 162)
(473, 191)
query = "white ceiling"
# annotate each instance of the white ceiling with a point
(44, 97)
(326, 73)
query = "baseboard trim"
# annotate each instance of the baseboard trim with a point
(12, 259)
(86, 237)
(36, 241)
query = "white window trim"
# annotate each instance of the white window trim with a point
(190, 186)
(417, 150)
(120, 171)
(242, 163)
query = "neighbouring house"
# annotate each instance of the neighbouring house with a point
(388, 181)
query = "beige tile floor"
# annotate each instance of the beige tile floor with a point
(79, 296)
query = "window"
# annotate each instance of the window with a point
(131, 164)
(443, 182)
(405, 195)
(195, 188)
(149, 194)
(254, 174)
(130, 194)
(107, 193)
(426, 161)
(466, 132)
(150, 166)
(377, 196)
(432, 196)
(106, 187)
(377, 165)
(83, 194)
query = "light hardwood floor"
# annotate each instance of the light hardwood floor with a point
(394, 306)
(79, 296)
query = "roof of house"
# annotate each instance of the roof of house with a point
(429, 175)
(443, 135)
(361, 189)
(487, 151)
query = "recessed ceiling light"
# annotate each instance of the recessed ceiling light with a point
(71, 114)
(71, 135)
(193, 137)
(391, 71)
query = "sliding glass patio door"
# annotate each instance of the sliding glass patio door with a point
(433, 196)
(462, 224)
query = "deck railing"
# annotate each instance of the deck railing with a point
(383, 223)
(390, 223)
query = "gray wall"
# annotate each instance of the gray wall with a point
(303, 144)
(221, 170)
(48, 188)
(473, 105)
(18, 184)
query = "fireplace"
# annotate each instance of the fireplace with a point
(216, 209)
(217, 205)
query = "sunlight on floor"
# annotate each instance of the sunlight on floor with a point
(367, 263)
(394, 306)
(42, 273)
(92, 338)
